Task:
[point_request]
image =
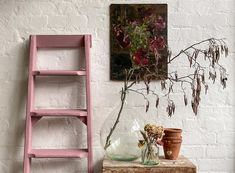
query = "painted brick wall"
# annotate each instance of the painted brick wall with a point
(209, 138)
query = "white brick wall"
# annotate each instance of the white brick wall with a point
(208, 139)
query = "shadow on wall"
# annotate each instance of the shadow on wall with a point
(98, 165)
(17, 92)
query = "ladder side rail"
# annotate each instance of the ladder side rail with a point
(88, 103)
(49, 41)
(29, 106)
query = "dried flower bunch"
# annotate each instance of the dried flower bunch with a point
(151, 134)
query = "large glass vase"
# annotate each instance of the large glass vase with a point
(122, 144)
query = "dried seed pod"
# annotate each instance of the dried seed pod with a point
(213, 62)
(206, 88)
(203, 77)
(212, 76)
(147, 89)
(169, 54)
(192, 104)
(171, 88)
(194, 107)
(221, 78)
(169, 110)
(146, 84)
(185, 100)
(193, 92)
(226, 51)
(210, 51)
(173, 107)
(176, 77)
(196, 54)
(195, 74)
(217, 52)
(190, 58)
(157, 102)
(222, 48)
(147, 106)
(163, 84)
(223, 82)
(198, 84)
(197, 98)
(205, 54)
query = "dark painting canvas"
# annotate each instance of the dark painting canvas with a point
(138, 37)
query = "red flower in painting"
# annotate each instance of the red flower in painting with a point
(160, 23)
(123, 40)
(157, 43)
(140, 57)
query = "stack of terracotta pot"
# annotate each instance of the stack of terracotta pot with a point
(171, 143)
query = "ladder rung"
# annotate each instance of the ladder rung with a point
(60, 41)
(59, 73)
(59, 112)
(58, 153)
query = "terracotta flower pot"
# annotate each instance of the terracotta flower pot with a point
(172, 142)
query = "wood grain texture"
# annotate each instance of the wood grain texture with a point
(182, 165)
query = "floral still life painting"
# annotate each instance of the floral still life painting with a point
(138, 37)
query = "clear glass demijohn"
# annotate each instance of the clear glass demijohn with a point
(123, 142)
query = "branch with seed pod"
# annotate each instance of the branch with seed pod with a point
(196, 80)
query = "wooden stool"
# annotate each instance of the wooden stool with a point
(182, 165)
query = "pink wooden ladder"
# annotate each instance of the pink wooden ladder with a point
(33, 115)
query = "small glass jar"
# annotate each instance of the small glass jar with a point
(150, 154)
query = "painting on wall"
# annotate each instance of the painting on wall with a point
(138, 37)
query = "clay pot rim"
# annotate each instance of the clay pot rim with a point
(173, 130)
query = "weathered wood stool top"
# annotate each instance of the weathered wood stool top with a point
(182, 165)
